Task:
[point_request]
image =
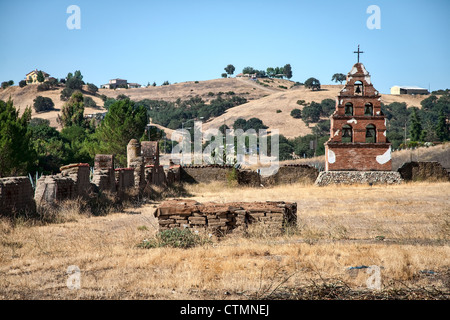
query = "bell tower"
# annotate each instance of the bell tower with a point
(358, 127)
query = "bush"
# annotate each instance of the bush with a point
(43, 104)
(296, 113)
(175, 238)
(22, 83)
(279, 111)
(43, 87)
(5, 84)
(66, 93)
(92, 88)
(89, 102)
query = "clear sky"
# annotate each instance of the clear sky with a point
(146, 41)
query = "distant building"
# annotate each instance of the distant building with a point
(134, 85)
(408, 90)
(31, 77)
(114, 83)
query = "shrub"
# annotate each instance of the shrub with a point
(279, 111)
(44, 86)
(66, 93)
(175, 238)
(282, 87)
(296, 113)
(43, 104)
(22, 83)
(210, 94)
(92, 88)
(89, 102)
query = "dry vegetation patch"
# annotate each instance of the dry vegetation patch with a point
(404, 230)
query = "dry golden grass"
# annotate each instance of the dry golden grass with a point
(337, 228)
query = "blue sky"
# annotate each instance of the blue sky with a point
(146, 41)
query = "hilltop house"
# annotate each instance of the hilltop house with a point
(31, 77)
(133, 85)
(408, 90)
(114, 83)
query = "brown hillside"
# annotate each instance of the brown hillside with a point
(266, 109)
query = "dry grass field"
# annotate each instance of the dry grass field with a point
(403, 229)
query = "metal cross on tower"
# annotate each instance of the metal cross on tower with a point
(358, 52)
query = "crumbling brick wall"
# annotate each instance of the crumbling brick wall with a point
(420, 171)
(224, 218)
(292, 174)
(125, 179)
(205, 174)
(104, 176)
(80, 174)
(155, 175)
(16, 196)
(71, 183)
(173, 174)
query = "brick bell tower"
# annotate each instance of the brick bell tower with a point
(358, 127)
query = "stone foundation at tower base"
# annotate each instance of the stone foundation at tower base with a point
(358, 177)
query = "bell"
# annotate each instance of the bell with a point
(358, 89)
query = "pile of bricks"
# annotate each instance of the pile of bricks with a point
(224, 218)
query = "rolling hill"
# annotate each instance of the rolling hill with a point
(264, 97)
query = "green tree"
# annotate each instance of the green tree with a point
(51, 151)
(287, 71)
(442, 128)
(72, 113)
(123, 122)
(16, 154)
(89, 102)
(224, 75)
(415, 127)
(338, 77)
(312, 83)
(43, 104)
(296, 113)
(328, 107)
(229, 69)
(312, 112)
(40, 77)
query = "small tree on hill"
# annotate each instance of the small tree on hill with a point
(230, 69)
(312, 83)
(287, 70)
(338, 77)
(43, 104)
(296, 113)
